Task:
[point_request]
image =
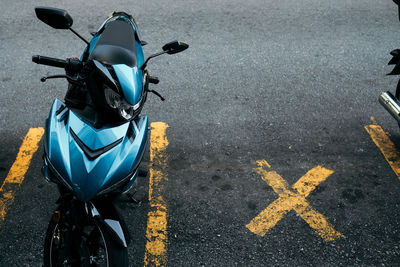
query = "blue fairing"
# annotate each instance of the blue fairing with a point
(88, 177)
(130, 81)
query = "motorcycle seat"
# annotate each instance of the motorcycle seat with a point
(116, 45)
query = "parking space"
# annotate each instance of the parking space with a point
(288, 212)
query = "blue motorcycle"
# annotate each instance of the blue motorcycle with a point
(95, 139)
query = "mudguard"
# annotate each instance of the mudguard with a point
(107, 215)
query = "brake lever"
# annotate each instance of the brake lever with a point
(43, 79)
(69, 79)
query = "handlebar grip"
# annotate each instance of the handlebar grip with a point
(153, 79)
(49, 61)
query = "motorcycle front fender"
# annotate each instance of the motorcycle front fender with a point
(106, 214)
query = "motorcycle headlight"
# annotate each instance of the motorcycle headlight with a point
(117, 102)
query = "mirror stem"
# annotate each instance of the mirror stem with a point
(77, 34)
(150, 57)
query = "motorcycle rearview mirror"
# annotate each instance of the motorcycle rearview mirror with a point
(175, 47)
(54, 17)
(57, 19)
(170, 48)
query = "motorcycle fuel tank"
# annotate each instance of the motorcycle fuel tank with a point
(88, 160)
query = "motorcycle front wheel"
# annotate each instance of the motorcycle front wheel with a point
(95, 248)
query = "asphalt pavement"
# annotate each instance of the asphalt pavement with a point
(289, 82)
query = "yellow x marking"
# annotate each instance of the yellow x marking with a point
(292, 199)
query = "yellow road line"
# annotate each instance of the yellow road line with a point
(387, 147)
(292, 199)
(17, 172)
(156, 233)
(311, 180)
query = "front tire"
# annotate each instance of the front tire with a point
(96, 248)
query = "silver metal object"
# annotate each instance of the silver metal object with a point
(391, 104)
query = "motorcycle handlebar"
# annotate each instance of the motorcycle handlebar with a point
(153, 79)
(69, 64)
(49, 61)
